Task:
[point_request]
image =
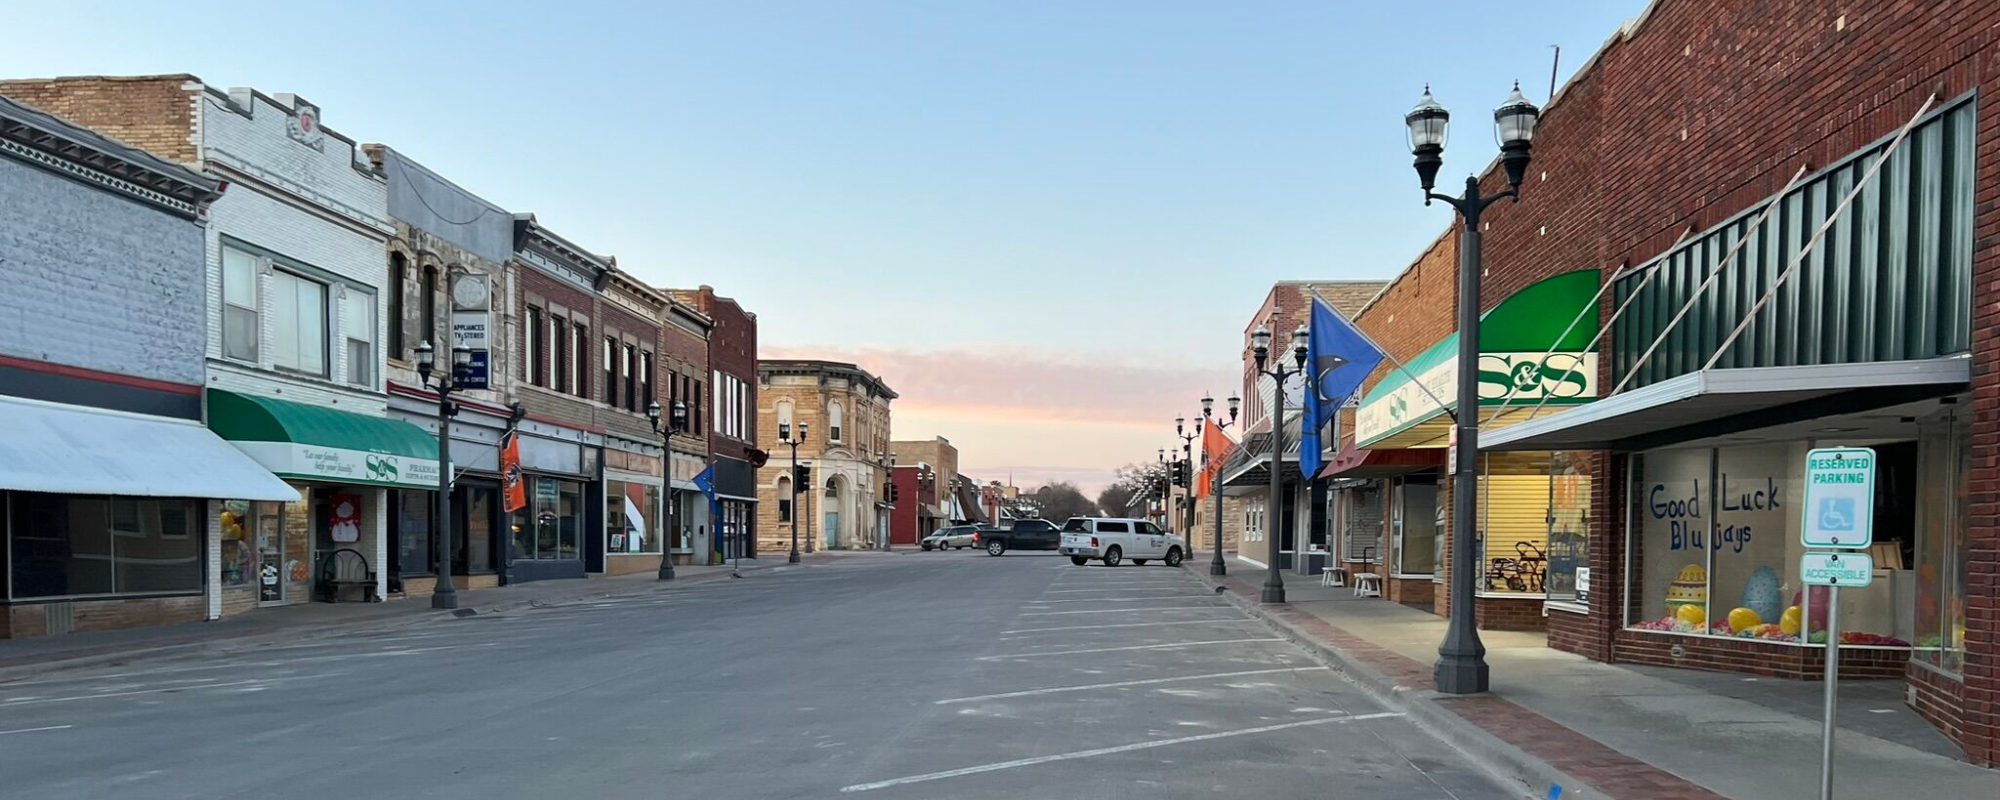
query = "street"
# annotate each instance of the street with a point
(912, 675)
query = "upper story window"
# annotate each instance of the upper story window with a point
(357, 325)
(430, 308)
(785, 418)
(399, 277)
(534, 347)
(580, 359)
(646, 381)
(833, 420)
(610, 371)
(298, 323)
(559, 355)
(628, 370)
(239, 305)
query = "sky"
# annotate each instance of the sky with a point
(1044, 224)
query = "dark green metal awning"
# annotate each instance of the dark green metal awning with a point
(300, 440)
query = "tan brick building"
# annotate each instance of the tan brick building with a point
(844, 413)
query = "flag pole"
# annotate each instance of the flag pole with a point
(1388, 355)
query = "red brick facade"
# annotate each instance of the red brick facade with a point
(731, 350)
(1698, 110)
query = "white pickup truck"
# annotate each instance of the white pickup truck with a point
(1114, 539)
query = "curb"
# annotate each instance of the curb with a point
(1498, 757)
(401, 619)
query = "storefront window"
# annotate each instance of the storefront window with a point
(631, 517)
(521, 532)
(239, 553)
(71, 545)
(1719, 549)
(1569, 523)
(413, 532)
(1944, 459)
(1415, 518)
(481, 502)
(1514, 522)
(558, 521)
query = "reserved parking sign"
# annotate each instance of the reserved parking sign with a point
(1840, 498)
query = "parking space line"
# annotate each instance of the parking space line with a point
(1123, 610)
(1172, 646)
(1117, 684)
(1107, 591)
(32, 730)
(1105, 751)
(1113, 599)
(1128, 625)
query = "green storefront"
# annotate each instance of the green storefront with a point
(343, 463)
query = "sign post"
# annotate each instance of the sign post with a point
(1839, 513)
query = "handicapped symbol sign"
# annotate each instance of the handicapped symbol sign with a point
(1836, 514)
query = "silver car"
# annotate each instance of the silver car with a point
(936, 539)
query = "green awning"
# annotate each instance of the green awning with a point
(311, 442)
(1515, 340)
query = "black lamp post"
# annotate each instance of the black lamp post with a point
(1461, 665)
(1274, 582)
(785, 437)
(1216, 566)
(677, 422)
(1187, 455)
(444, 595)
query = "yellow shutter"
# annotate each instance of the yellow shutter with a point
(1513, 510)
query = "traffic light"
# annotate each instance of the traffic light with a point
(802, 475)
(895, 493)
(1181, 474)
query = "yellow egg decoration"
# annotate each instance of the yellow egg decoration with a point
(1790, 621)
(1689, 588)
(1691, 614)
(1743, 619)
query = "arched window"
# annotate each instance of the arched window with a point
(784, 499)
(430, 308)
(833, 419)
(399, 276)
(833, 488)
(785, 428)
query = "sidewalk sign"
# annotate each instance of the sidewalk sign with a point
(1839, 513)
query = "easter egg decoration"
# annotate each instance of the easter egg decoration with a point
(1789, 623)
(1762, 594)
(1743, 619)
(1815, 603)
(1691, 614)
(1690, 587)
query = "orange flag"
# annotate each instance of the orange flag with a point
(510, 474)
(1215, 449)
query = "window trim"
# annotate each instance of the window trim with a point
(326, 327)
(256, 308)
(374, 324)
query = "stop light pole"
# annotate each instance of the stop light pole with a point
(785, 436)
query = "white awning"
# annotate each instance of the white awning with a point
(1711, 402)
(65, 449)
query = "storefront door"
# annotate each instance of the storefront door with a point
(832, 529)
(270, 533)
(475, 509)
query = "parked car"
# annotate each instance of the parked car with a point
(1024, 534)
(936, 539)
(1114, 539)
(956, 537)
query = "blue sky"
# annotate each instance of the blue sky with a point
(1044, 223)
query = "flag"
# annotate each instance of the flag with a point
(1215, 449)
(1338, 358)
(510, 474)
(706, 483)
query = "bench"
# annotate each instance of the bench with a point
(341, 569)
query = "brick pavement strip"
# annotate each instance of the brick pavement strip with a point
(1560, 750)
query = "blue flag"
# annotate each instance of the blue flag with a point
(706, 483)
(1338, 358)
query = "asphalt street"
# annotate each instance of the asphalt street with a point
(893, 676)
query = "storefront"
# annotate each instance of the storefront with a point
(343, 467)
(632, 507)
(1535, 358)
(561, 475)
(478, 530)
(736, 494)
(689, 535)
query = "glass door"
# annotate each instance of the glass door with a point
(270, 542)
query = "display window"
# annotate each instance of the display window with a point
(547, 529)
(93, 545)
(631, 517)
(1514, 495)
(1717, 544)
(1940, 555)
(1415, 518)
(1569, 523)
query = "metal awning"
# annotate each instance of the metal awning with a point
(1721, 401)
(1249, 463)
(65, 449)
(1361, 462)
(300, 440)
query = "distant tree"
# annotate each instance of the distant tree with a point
(1131, 480)
(1060, 500)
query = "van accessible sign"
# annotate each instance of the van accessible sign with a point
(1840, 498)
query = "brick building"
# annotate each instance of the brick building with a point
(294, 274)
(918, 514)
(843, 412)
(1681, 484)
(117, 508)
(732, 437)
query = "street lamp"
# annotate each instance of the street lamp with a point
(1274, 583)
(785, 437)
(1187, 455)
(1216, 566)
(1461, 665)
(444, 595)
(677, 422)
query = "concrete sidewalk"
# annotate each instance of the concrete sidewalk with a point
(21, 658)
(1603, 730)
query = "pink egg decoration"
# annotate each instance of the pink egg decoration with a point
(1816, 609)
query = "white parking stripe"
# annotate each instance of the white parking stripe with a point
(1129, 625)
(1112, 599)
(1116, 684)
(1105, 751)
(1122, 610)
(1105, 591)
(1173, 646)
(32, 730)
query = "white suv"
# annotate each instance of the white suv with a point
(1115, 539)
